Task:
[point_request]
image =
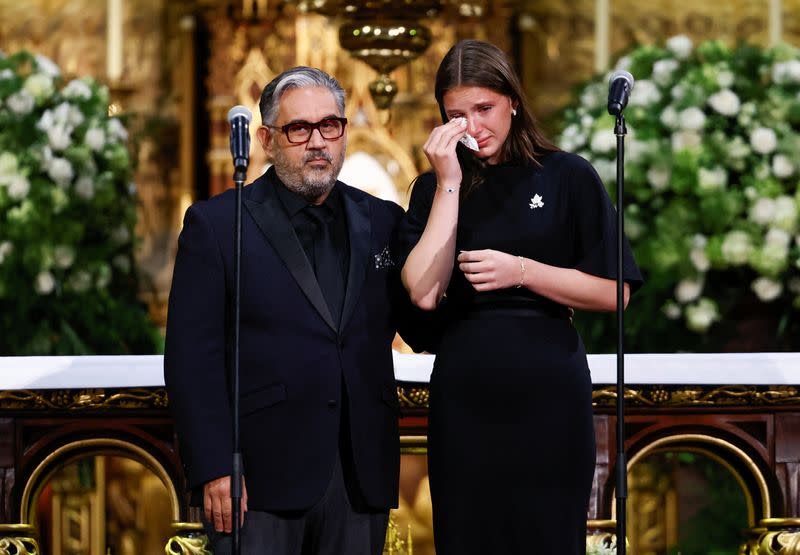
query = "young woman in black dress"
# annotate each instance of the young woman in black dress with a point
(513, 234)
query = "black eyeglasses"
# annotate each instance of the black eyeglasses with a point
(299, 132)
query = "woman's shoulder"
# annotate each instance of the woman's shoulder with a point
(561, 160)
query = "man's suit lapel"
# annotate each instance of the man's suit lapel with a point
(266, 209)
(358, 224)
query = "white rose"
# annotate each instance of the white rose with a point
(786, 72)
(738, 149)
(80, 281)
(645, 93)
(678, 91)
(671, 310)
(725, 102)
(736, 247)
(624, 63)
(681, 46)
(762, 211)
(45, 157)
(669, 117)
(658, 177)
(21, 103)
(59, 137)
(45, 283)
(8, 164)
(686, 140)
(713, 179)
(18, 187)
(61, 171)
(116, 130)
(603, 141)
(95, 139)
(688, 290)
(763, 140)
(77, 89)
(699, 259)
(46, 66)
(785, 213)
(782, 166)
(64, 256)
(692, 119)
(606, 169)
(766, 289)
(725, 78)
(39, 85)
(663, 70)
(777, 237)
(594, 96)
(84, 187)
(6, 74)
(6, 248)
(120, 234)
(122, 262)
(701, 315)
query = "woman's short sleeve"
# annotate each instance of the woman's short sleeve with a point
(595, 226)
(416, 218)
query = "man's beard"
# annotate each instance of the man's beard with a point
(308, 182)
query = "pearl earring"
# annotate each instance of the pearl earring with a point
(513, 111)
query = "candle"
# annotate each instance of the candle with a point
(775, 22)
(114, 40)
(601, 45)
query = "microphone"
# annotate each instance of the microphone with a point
(620, 86)
(239, 117)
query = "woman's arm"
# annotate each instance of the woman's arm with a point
(429, 265)
(488, 270)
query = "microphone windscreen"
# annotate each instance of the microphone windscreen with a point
(622, 74)
(238, 111)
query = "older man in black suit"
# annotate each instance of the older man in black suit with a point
(319, 309)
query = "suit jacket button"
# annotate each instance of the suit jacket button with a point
(332, 404)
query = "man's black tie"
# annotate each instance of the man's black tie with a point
(327, 261)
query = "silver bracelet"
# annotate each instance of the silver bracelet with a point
(447, 189)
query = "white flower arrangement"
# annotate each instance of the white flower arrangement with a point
(66, 209)
(711, 154)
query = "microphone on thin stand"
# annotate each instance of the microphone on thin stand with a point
(239, 117)
(620, 86)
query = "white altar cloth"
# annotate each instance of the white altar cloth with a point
(85, 372)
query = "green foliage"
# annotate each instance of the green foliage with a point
(67, 215)
(712, 165)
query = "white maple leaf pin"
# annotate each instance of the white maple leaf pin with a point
(536, 202)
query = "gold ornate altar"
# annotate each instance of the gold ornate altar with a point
(97, 471)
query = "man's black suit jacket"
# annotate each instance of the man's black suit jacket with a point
(292, 356)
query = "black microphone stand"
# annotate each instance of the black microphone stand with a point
(622, 463)
(239, 176)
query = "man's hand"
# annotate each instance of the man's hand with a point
(217, 503)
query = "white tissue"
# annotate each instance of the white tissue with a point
(469, 141)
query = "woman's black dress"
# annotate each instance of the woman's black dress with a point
(511, 448)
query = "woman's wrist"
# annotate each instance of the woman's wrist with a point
(522, 272)
(448, 188)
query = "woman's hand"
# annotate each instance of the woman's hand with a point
(488, 270)
(440, 148)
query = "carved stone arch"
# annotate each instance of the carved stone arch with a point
(748, 468)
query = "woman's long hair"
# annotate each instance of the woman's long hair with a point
(474, 63)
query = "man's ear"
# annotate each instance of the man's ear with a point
(265, 137)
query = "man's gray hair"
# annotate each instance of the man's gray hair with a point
(295, 78)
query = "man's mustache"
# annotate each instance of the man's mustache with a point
(317, 156)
